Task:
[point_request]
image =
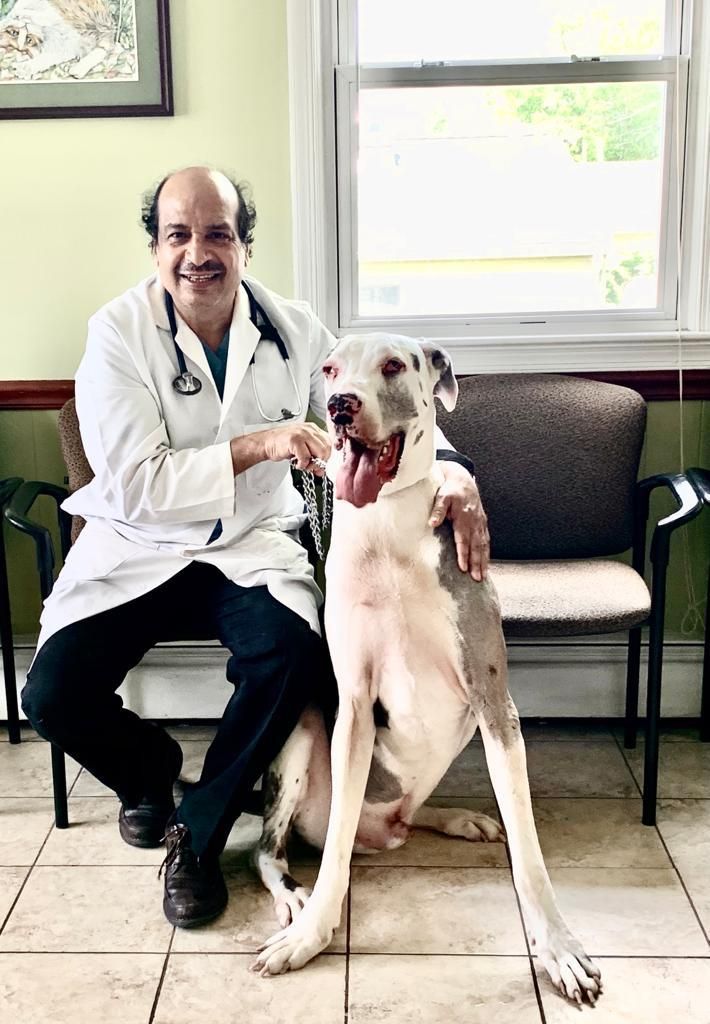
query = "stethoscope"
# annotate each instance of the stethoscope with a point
(187, 383)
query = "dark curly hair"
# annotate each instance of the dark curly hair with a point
(246, 212)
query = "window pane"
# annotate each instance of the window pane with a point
(509, 199)
(414, 30)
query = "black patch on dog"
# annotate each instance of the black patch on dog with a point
(419, 436)
(273, 838)
(382, 786)
(397, 403)
(382, 718)
(415, 363)
(289, 882)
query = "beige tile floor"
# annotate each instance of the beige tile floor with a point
(431, 933)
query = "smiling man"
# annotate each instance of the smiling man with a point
(192, 397)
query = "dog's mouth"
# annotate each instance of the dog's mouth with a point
(366, 467)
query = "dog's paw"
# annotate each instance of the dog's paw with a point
(292, 948)
(474, 826)
(289, 904)
(571, 971)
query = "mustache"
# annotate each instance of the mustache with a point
(191, 268)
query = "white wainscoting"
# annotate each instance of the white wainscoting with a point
(581, 678)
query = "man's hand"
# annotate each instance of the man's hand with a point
(300, 442)
(458, 500)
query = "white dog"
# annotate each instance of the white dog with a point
(419, 657)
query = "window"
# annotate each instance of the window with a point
(509, 172)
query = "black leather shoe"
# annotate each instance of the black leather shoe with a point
(145, 824)
(195, 892)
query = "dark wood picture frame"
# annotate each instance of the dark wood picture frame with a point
(151, 95)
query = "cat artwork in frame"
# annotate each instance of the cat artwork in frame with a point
(85, 58)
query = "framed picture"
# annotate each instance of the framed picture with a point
(84, 58)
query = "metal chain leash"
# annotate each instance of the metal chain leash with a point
(318, 520)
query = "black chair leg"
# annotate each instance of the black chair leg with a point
(633, 665)
(8, 651)
(59, 784)
(653, 696)
(705, 699)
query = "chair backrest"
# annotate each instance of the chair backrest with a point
(556, 461)
(79, 472)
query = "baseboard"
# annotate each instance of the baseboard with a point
(577, 678)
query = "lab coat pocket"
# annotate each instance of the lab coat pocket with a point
(265, 477)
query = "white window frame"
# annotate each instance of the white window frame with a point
(324, 219)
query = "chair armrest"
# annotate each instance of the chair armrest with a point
(17, 514)
(8, 486)
(700, 479)
(689, 506)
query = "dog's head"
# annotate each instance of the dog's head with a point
(379, 394)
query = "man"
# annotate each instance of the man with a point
(192, 396)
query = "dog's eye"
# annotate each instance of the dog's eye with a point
(392, 367)
(329, 371)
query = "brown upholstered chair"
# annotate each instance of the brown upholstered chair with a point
(556, 463)
(79, 472)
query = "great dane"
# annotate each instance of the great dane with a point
(420, 661)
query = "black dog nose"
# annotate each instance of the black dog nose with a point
(342, 408)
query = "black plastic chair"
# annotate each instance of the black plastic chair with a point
(16, 513)
(7, 489)
(700, 479)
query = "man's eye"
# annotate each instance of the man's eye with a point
(392, 367)
(176, 236)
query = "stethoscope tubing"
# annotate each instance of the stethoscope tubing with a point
(188, 384)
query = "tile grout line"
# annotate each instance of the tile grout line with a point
(702, 957)
(621, 749)
(27, 877)
(346, 997)
(682, 883)
(531, 966)
(159, 989)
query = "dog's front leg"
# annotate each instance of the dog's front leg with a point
(563, 956)
(351, 756)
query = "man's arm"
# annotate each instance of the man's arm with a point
(140, 475)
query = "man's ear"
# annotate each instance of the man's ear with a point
(439, 362)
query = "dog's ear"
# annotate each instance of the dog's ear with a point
(439, 363)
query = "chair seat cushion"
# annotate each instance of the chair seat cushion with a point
(565, 598)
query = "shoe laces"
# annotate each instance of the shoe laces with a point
(178, 844)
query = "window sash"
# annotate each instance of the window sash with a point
(350, 79)
(316, 30)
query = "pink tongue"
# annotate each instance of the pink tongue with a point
(357, 480)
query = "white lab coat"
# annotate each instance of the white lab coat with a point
(163, 464)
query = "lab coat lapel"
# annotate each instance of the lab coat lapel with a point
(243, 339)
(186, 338)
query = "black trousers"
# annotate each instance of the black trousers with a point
(277, 665)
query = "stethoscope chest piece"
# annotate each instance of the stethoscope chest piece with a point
(187, 384)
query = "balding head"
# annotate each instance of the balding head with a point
(198, 179)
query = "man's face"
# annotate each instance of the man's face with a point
(199, 255)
